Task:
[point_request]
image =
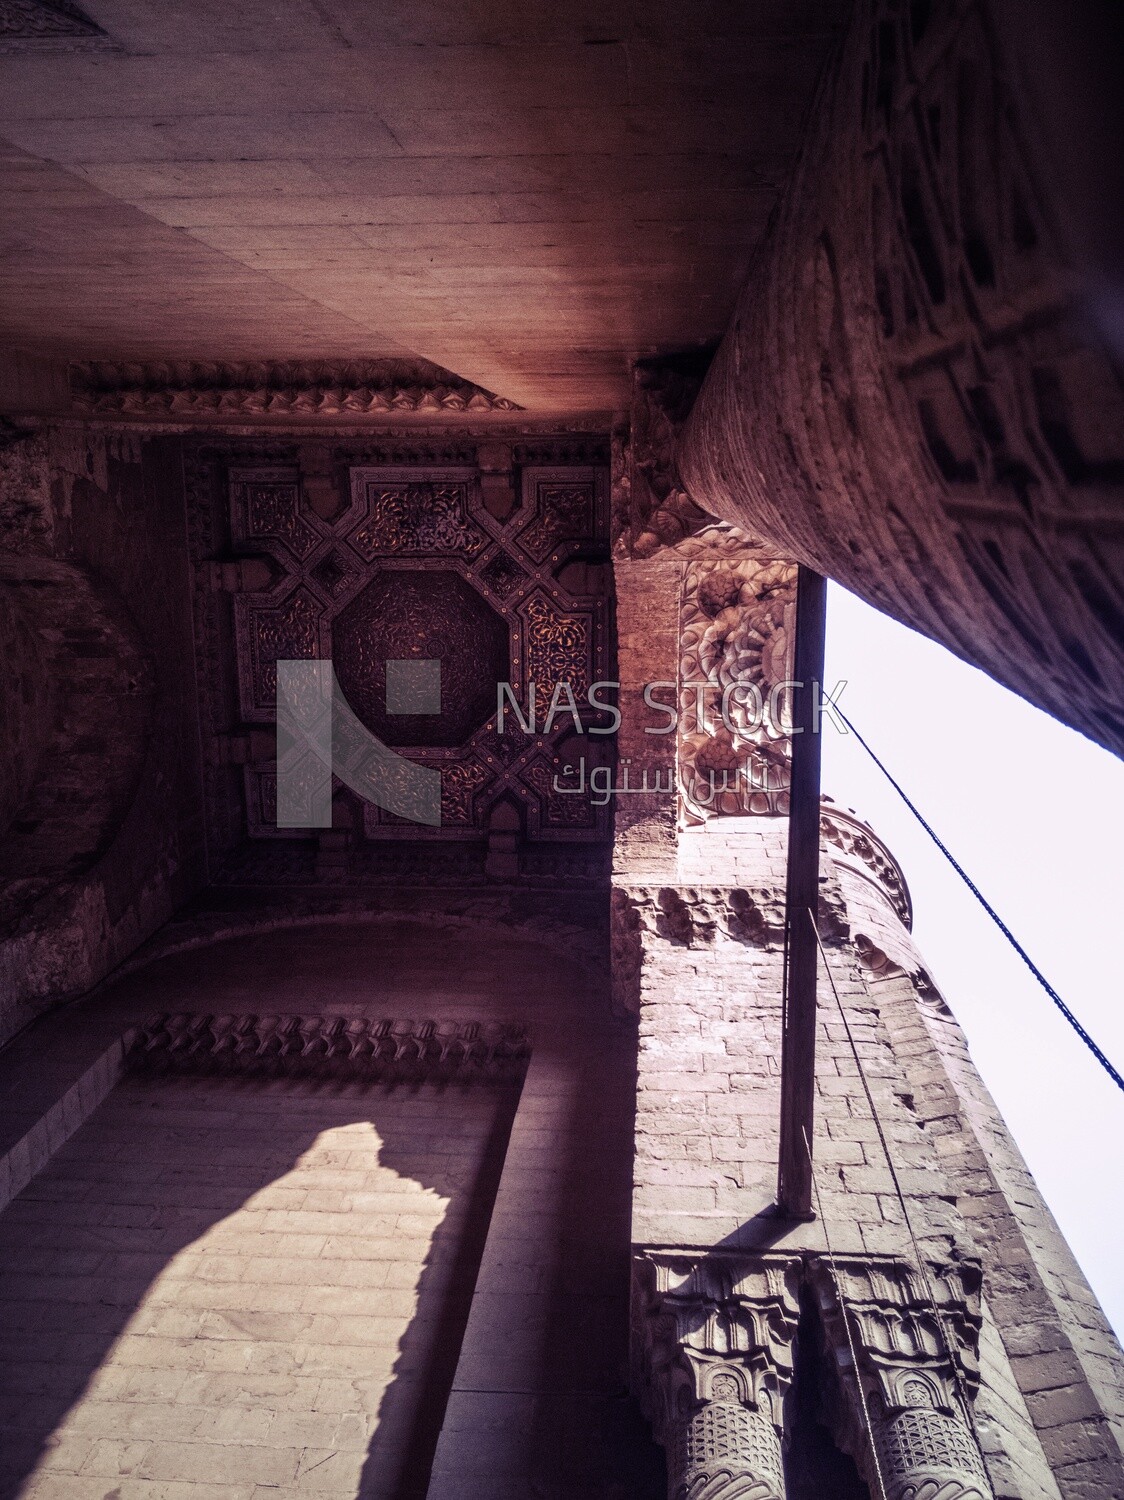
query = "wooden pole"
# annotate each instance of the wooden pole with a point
(798, 1051)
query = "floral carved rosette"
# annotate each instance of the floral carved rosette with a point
(737, 617)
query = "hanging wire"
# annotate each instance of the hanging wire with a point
(946, 1332)
(987, 906)
(846, 1321)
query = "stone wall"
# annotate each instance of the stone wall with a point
(709, 977)
(104, 838)
(275, 1274)
(534, 1397)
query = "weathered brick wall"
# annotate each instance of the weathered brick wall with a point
(709, 1074)
(538, 1400)
(1064, 1358)
(709, 985)
(707, 1130)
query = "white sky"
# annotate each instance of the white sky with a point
(1035, 814)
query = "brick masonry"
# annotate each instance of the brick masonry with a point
(707, 1135)
(243, 1285)
(536, 1390)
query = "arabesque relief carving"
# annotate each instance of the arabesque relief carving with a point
(736, 621)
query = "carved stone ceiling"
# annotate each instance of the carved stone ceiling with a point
(528, 195)
(417, 554)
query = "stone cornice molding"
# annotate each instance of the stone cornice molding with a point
(182, 392)
(855, 845)
(49, 26)
(342, 1048)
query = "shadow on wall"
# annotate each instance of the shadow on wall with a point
(240, 1283)
(244, 1283)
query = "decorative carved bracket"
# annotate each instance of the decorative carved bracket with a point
(713, 1354)
(651, 508)
(912, 1381)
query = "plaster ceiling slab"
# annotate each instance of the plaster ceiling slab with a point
(530, 196)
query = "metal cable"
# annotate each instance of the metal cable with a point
(992, 913)
(846, 1320)
(946, 1334)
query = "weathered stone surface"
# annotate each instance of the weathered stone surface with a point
(102, 838)
(915, 397)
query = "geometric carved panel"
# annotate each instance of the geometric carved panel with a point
(414, 565)
(430, 615)
(411, 518)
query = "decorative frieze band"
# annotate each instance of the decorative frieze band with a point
(346, 1048)
(239, 392)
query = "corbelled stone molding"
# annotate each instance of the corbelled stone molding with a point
(856, 845)
(694, 916)
(48, 26)
(918, 1367)
(689, 917)
(347, 1048)
(713, 1348)
(184, 392)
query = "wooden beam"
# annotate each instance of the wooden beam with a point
(798, 1051)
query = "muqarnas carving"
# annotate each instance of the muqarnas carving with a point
(916, 1340)
(713, 1347)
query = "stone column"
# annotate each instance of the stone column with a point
(713, 1344)
(917, 1389)
(915, 388)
